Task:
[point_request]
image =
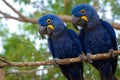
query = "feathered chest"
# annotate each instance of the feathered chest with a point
(64, 47)
(97, 41)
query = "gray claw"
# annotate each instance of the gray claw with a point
(81, 57)
(111, 51)
(55, 62)
(88, 57)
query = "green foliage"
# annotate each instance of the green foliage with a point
(115, 7)
(23, 1)
(3, 30)
(22, 46)
(55, 74)
(28, 30)
(19, 44)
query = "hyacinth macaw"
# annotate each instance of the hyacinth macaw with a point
(96, 36)
(62, 43)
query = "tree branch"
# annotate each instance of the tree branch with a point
(23, 18)
(11, 17)
(63, 17)
(115, 25)
(61, 61)
(2, 74)
(5, 61)
(24, 72)
(10, 6)
(31, 20)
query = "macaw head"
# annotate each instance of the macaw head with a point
(50, 25)
(85, 16)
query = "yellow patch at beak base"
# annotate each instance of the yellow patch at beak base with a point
(51, 27)
(85, 18)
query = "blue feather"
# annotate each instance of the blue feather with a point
(96, 36)
(111, 32)
(64, 43)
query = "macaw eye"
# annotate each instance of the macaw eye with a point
(49, 21)
(82, 11)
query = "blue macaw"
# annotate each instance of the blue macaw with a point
(62, 43)
(96, 36)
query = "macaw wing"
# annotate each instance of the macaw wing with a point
(81, 37)
(51, 48)
(113, 37)
(75, 39)
(111, 32)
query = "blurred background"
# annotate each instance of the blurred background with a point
(20, 41)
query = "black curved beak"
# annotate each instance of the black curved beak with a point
(79, 21)
(75, 21)
(48, 30)
(42, 30)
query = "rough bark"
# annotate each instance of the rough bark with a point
(59, 61)
(2, 74)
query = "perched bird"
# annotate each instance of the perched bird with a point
(96, 36)
(62, 43)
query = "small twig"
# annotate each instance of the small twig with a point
(9, 16)
(10, 6)
(24, 72)
(61, 61)
(5, 61)
(23, 18)
(5, 15)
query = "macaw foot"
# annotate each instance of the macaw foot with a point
(55, 62)
(81, 57)
(88, 57)
(111, 51)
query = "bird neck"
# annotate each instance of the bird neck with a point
(59, 34)
(94, 26)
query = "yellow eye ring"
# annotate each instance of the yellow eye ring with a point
(49, 21)
(82, 11)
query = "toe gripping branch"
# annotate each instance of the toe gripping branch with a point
(111, 51)
(55, 62)
(81, 57)
(88, 57)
